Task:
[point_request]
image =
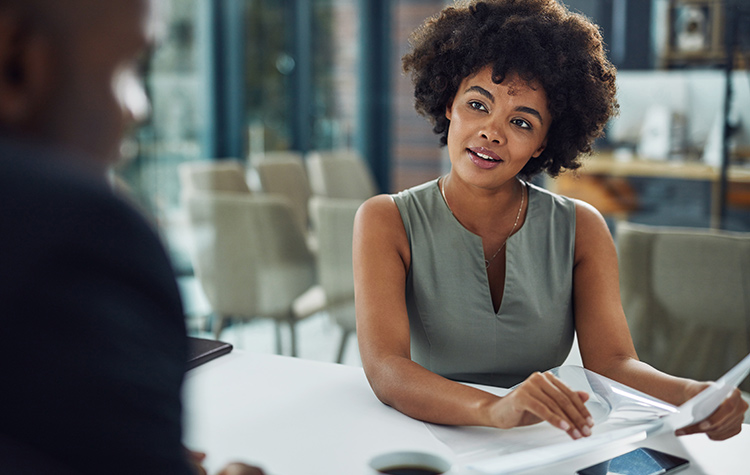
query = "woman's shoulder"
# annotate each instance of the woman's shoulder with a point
(377, 204)
(378, 228)
(549, 196)
(377, 211)
(584, 213)
(391, 214)
(551, 204)
(417, 192)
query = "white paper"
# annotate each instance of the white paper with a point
(519, 461)
(621, 414)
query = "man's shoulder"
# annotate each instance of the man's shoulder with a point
(27, 170)
(51, 207)
(39, 186)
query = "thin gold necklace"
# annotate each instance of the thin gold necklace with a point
(487, 262)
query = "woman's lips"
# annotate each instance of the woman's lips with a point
(484, 158)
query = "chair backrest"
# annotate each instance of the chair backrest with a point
(333, 223)
(286, 175)
(340, 174)
(213, 175)
(248, 253)
(686, 294)
(276, 155)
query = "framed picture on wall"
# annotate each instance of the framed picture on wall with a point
(696, 32)
(691, 31)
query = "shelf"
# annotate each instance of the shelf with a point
(604, 163)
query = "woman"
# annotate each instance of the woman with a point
(481, 277)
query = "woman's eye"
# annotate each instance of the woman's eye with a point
(477, 106)
(521, 123)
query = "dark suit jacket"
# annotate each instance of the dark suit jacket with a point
(92, 334)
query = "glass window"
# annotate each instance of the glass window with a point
(269, 66)
(335, 30)
(172, 134)
(299, 68)
(301, 74)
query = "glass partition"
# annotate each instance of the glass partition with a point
(299, 92)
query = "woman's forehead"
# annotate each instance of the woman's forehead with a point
(515, 82)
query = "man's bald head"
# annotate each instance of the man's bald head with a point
(68, 71)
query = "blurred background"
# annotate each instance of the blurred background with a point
(238, 81)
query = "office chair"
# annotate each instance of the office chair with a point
(251, 259)
(340, 174)
(686, 294)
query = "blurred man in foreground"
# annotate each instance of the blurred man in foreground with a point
(93, 345)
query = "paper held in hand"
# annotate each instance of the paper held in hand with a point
(621, 415)
(704, 403)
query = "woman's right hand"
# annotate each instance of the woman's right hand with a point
(543, 397)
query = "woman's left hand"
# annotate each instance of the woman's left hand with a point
(726, 420)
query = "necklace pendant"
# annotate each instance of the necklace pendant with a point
(486, 264)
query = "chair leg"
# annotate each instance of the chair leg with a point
(220, 322)
(342, 346)
(277, 325)
(294, 336)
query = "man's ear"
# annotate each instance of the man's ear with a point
(26, 77)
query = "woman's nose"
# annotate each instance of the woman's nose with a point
(493, 133)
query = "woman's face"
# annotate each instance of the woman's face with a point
(496, 129)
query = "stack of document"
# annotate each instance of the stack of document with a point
(621, 415)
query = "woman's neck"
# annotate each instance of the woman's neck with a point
(480, 210)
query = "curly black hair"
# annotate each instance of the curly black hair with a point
(540, 40)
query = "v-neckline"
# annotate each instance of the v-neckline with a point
(478, 238)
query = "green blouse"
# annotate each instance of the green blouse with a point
(455, 331)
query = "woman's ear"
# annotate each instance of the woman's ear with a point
(26, 77)
(449, 110)
(540, 149)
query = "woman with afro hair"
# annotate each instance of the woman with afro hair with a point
(481, 277)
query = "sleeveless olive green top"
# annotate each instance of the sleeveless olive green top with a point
(455, 331)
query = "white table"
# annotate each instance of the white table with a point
(300, 417)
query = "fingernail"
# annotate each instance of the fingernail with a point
(564, 425)
(704, 425)
(576, 434)
(586, 431)
(679, 432)
(590, 421)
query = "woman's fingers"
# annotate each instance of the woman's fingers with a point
(549, 399)
(729, 429)
(573, 403)
(722, 431)
(726, 420)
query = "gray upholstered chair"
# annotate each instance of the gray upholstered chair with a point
(213, 175)
(251, 259)
(686, 294)
(340, 174)
(333, 221)
(284, 173)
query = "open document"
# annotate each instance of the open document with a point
(621, 415)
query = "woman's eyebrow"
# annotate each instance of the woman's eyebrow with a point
(531, 111)
(483, 92)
